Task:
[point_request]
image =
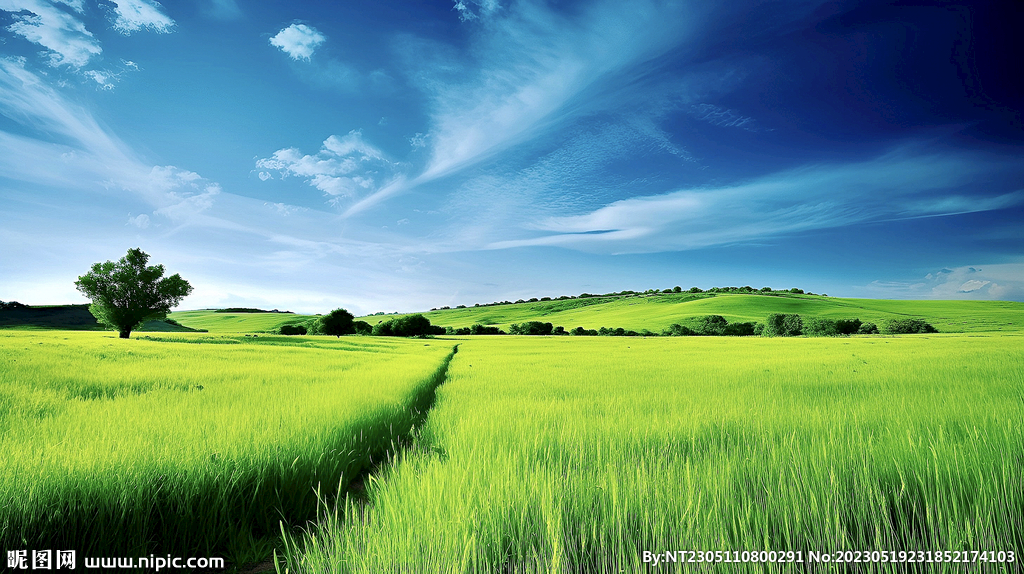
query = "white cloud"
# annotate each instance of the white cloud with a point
(64, 36)
(474, 9)
(813, 197)
(101, 78)
(141, 221)
(1003, 281)
(135, 15)
(346, 166)
(723, 117)
(418, 141)
(298, 41)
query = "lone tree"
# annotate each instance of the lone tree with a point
(128, 293)
(338, 322)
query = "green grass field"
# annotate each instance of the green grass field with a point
(656, 312)
(216, 322)
(192, 444)
(577, 454)
(542, 454)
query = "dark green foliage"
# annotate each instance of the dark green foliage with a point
(530, 328)
(12, 305)
(739, 329)
(797, 291)
(128, 293)
(677, 330)
(559, 330)
(581, 332)
(868, 329)
(766, 289)
(696, 290)
(677, 289)
(362, 327)
(847, 326)
(338, 322)
(710, 325)
(293, 329)
(485, 330)
(908, 326)
(782, 325)
(820, 328)
(408, 326)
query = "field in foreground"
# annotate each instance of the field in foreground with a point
(192, 445)
(576, 455)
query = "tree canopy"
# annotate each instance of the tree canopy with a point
(338, 322)
(128, 293)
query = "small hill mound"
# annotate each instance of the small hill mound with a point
(69, 317)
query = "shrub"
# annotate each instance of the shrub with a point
(677, 330)
(820, 328)
(868, 329)
(408, 326)
(782, 325)
(362, 327)
(847, 326)
(559, 330)
(581, 332)
(908, 326)
(739, 329)
(383, 329)
(530, 328)
(485, 330)
(338, 322)
(293, 329)
(710, 325)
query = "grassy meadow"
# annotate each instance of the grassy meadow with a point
(564, 454)
(540, 454)
(193, 444)
(656, 312)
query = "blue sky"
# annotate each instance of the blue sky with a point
(408, 155)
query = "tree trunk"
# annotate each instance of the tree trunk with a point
(124, 334)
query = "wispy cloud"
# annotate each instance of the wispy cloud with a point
(135, 15)
(902, 184)
(299, 41)
(61, 33)
(345, 167)
(723, 117)
(475, 9)
(534, 69)
(997, 281)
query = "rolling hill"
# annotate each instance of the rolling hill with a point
(658, 311)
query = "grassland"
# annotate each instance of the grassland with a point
(577, 454)
(656, 312)
(218, 322)
(193, 445)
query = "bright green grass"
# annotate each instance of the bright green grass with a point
(659, 311)
(129, 447)
(237, 322)
(577, 454)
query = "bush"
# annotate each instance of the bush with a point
(485, 330)
(559, 330)
(338, 322)
(782, 325)
(530, 328)
(293, 329)
(710, 325)
(362, 327)
(677, 330)
(12, 305)
(848, 326)
(581, 332)
(868, 329)
(908, 326)
(739, 329)
(820, 328)
(408, 326)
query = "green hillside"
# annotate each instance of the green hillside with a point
(656, 312)
(218, 322)
(70, 317)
